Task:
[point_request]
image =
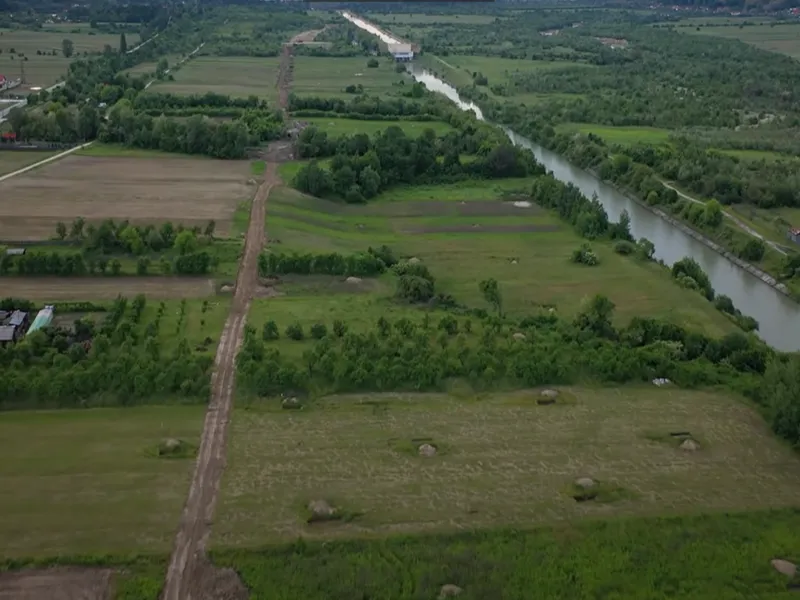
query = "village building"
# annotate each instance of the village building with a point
(401, 52)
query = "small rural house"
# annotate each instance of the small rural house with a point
(401, 52)
(794, 235)
(18, 318)
(8, 334)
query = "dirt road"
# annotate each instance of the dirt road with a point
(285, 72)
(188, 576)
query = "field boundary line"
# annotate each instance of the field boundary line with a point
(45, 161)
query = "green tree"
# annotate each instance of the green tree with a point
(270, 331)
(491, 293)
(712, 214)
(123, 43)
(116, 267)
(67, 47)
(61, 230)
(185, 242)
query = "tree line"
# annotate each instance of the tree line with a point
(361, 167)
(370, 263)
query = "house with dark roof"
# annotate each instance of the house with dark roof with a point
(18, 319)
(8, 334)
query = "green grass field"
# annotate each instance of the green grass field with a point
(10, 161)
(757, 155)
(619, 135)
(86, 482)
(725, 557)
(150, 67)
(503, 461)
(783, 38)
(323, 76)
(467, 232)
(337, 127)
(44, 71)
(235, 76)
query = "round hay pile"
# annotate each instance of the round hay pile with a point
(172, 447)
(585, 483)
(449, 590)
(321, 510)
(784, 567)
(519, 336)
(689, 445)
(427, 450)
(353, 280)
(291, 403)
(547, 397)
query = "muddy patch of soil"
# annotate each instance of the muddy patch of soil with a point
(58, 583)
(213, 583)
(480, 228)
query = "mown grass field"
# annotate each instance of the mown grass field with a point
(503, 461)
(619, 135)
(337, 127)
(238, 76)
(44, 71)
(85, 482)
(323, 76)
(10, 161)
(150, 67)
(783, 38)
(725, 557)
(470, 231)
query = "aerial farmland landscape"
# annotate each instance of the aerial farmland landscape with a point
(401, 301)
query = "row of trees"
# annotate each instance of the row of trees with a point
(66, 264)
(422, 355)
(111, 237)
(370, 263)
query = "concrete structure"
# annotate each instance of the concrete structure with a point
(401, 52)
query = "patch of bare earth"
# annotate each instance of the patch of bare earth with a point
(142, 190)
(58, 583)
(482, 228)
(105, 288)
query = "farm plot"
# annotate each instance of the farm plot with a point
(360, 454)
(11, 161)
(318, 76)
(101, 469)
(43, 70)
(783, 38)
(233, 76)
(469, 231)
(60, 289)
(142, 190)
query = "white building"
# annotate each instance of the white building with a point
(401, 52)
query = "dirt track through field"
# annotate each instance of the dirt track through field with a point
(190, 575)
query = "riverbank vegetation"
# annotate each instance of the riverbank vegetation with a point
(660, 115)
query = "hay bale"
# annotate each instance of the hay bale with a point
(549, 394)
(321, 510)
(427, 450)
(354, 280)
(585, 483)
(171, 447)
(784, 567)
(689, 445)
(519, 336)
(449, 590)
(226, 288)
(291, 403)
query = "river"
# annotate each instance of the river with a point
(776, 314)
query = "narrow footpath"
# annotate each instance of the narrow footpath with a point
(190, 575)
